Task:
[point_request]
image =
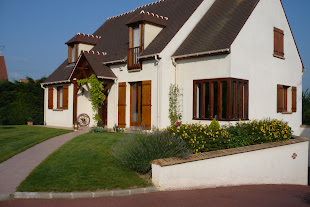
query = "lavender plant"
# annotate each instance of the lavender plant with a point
(136, 151)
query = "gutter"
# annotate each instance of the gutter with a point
(56, 82)
(227, 50)
(156, 56)
(114, 62)
(109, 78)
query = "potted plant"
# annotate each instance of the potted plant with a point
(29, 121)
(76, 126)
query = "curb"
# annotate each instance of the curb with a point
(73, 195)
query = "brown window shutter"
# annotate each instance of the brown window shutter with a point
(122, 105)
(278, 42)
(65, 92)
(280, 105)
(146, 104)
(130, 37)
(50, 97)
(69, 54)
(294, 99)
(76, 49)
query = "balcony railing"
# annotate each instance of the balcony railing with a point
(133, 61)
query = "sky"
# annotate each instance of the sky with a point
(34, 32)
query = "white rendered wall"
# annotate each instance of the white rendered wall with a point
(84, 47)
(150, 32)
(84, 104)
(268, 166)
(305, 132)
(252, 59)
(54, 117)
(196, 69)
(148, 72)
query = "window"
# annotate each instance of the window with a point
(225, 99)
(278, 43)
(286, 99)
(135, 47)
(59, 97)
(72, 53)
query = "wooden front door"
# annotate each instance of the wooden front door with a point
(140, 104)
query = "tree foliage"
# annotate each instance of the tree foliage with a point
(96, 95)
(306, 107)
(175, 114)
(21, 101)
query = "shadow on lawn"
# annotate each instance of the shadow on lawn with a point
(7, 127)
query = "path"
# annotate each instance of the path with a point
(14, 170)
(242, 196)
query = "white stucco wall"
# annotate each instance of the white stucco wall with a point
(84, 47)
(150, 32)
(148, 72)
(252, 59)
(189, 70)
(268, 166)
(54, 117)
(84, 104)
(305, 132)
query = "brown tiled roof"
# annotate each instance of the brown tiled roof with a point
(3, 71)
(144, 16)
(84, 38)
(95, 62)
(219, 27)
(114, 31)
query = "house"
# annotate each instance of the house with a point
(232, 59)
(3, 71)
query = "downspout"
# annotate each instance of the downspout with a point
(158, 91)
(175, 64)
(44, 104)
(116, 104)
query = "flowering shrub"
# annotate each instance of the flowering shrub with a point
(204, 138)
(136, 151)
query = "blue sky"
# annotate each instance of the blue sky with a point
(34, 31)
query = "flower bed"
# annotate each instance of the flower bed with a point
(203, 138)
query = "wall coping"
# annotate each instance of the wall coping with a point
(305, 126)
(226, 152)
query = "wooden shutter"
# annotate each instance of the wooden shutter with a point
(130, 37)
(122, 105)
(278, 42)
(294, 99)
(50, 97)
(146, 104)
(76, 51)
(280, 92)
(69, 54)
(65, 94)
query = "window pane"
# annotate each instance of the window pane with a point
(72, 54)
(136, 36)
(215, 108)
(198, 98)
(207, 98)
(60, 98)
(224, 99)
(135, 104)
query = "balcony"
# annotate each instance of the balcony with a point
(133, 61)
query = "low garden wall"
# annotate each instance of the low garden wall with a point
(284, 162)
(305, 132)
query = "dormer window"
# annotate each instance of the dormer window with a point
(136, 36)
(72, 53)
(135, 47)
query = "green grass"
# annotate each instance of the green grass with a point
(15, 139)
(83, 164)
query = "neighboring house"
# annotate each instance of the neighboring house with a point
(233, 60)
(3, 71)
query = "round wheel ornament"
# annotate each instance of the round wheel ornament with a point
(83, 119)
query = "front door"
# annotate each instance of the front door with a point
(136, 104)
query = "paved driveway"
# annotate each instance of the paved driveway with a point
(243, 196)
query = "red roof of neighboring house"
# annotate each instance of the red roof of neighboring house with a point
(3, 71)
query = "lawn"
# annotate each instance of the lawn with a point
(83, 164)
(15, 139)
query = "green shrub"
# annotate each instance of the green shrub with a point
(306, 117)
(204, 138)
(97, 130)
(136, 151)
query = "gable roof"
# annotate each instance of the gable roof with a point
(84, 38)
(3, 71)
(115, 32)
(218, 28)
